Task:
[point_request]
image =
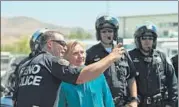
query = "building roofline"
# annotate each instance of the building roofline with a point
(149, 15)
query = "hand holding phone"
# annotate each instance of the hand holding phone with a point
(120, 40)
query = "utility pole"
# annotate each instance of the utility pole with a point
(107, 7)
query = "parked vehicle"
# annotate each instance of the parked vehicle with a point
(6, 101)
(169, 48)
(5, 60)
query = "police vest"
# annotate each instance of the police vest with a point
(116, 75)
(151, 77)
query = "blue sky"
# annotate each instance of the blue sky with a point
(83, 13)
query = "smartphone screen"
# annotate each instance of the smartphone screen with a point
(120, 40)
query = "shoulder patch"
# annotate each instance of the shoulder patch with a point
(63, 62)
(96, 59)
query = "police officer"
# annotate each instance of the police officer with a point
(39, 76)
(175, 64)
(120, 75)
(10, 77)
(156, 76)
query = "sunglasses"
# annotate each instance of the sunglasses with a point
(147, 38)
(105, 31)
(61, 42)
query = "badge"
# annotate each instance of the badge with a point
(136, 60)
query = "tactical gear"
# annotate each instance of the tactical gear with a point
(116, 75)
(156, 81)
(134, 99)
(39, 73)
(152, 99)
(106, 22)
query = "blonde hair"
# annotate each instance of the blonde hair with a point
(70, 47)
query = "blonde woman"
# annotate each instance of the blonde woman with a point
(94, 93)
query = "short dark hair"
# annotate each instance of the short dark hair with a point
(46, 36)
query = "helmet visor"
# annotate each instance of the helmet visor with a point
(147, 28)
(107, 19)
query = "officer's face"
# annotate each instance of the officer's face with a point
(77, 56)
(107, 35)
(58, 45)
(146, 42)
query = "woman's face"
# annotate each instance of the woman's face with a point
(77, 56)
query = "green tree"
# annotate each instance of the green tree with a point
(80, 34)
(21, 46)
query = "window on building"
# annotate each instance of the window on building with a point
(165, 33)
(175, 24)
(168, 24)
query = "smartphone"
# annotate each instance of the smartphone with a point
(119, 40)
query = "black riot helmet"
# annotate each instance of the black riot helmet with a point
(111, 21)
(35, 44)
(145, 29)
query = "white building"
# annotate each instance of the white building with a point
(167, 24)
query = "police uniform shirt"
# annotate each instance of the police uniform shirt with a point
(40, 78)
(145, 80)
(155, 74)
(116, 75)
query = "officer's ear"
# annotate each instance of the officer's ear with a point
(49, 44)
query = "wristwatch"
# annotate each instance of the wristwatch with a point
(134, 99)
